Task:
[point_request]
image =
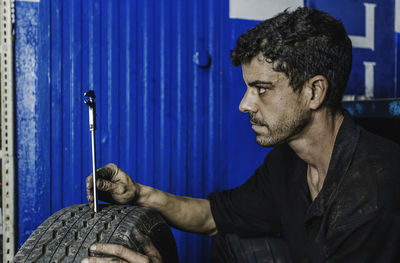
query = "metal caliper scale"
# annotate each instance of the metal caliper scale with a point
(92, 127)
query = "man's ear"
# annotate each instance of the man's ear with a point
(317, 87)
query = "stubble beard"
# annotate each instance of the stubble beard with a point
(282, 132)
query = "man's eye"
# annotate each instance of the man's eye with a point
(261, 90)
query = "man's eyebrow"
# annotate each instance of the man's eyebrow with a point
(259, 82)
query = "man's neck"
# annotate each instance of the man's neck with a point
(315, 146)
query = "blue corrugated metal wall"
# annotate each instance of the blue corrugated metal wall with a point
(167, 121)
(163, 116)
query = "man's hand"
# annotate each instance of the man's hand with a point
(113, 186)
(184, 213)
(120, 253)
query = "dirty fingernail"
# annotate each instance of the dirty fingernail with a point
(85, 260)
(93, 247)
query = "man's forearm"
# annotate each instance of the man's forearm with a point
(185, 213)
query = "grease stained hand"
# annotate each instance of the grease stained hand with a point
(119, 253)
(113, 186)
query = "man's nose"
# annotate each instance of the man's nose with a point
(248, 103)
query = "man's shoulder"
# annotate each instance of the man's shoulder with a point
(375, 150)
(371, 184)
(378, 159)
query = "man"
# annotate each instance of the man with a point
(331, 187)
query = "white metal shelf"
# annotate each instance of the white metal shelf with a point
(7, 129)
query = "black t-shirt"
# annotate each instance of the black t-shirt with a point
(355, 217)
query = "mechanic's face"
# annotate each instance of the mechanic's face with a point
(277, 113)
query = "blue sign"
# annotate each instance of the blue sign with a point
(371, 28)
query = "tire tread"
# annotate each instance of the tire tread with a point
(67, 235)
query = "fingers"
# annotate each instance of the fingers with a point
(151, 251)
(89, 190)
(118, 251)
(105, 185)
(108, 172)
(101, 184)
(113, 186)
(89, 182)
(103, 260)
(104, 190)
(103, 181)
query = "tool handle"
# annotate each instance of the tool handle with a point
(92, 118)
(92, 127)
(94, 172)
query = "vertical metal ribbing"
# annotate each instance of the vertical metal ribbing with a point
(7, 130)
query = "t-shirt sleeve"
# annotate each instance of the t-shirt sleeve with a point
(248, 210)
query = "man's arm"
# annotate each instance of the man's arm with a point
(185, 213)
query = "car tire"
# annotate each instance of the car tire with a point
(67, 235)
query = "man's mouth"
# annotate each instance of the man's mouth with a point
(257, 128)
(255, 123)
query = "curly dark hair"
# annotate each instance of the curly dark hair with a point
(302, 44)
